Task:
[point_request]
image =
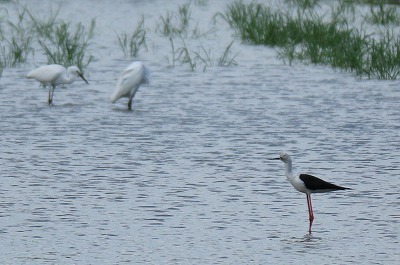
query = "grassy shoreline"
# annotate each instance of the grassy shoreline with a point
(298, 32)
(310, 38)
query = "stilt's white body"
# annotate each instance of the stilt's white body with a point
(132, 78)
(293, 179)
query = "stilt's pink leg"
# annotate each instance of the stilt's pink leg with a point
(310, 212)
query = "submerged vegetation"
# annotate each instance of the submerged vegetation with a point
(66, 43)
(303, 35)
(177, 29)
(131, 45)
(67, 47)
(176, 26)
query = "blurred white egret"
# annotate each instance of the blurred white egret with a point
(55, 74)
(132, 78)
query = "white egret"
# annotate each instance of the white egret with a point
(307, 184)
(132, 78)
(55, 74)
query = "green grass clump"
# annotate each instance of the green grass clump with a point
(325, 43)
(15, 41)
(131, 45)
(344, 12)
(382, 14)
(175, 23)
(383, 61)
(200, 56)
(186, 57)
(310, 38)
(60, 41)
(16, 50)
(303, 4)
(44, 28)
(174, 53)
(67, 47)
(184, 41)
(226, 59)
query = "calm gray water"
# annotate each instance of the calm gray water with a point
(185, 178)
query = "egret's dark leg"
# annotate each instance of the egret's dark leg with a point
(310, 211)
(50, 94)
(131, 98)
(130, 104)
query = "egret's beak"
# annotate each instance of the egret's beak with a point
(81, 76)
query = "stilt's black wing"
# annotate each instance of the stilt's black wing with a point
(318, 185)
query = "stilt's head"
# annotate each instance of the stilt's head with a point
(285, 158)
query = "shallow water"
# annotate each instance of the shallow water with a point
(185, 178)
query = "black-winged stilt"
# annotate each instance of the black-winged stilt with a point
(307, 184)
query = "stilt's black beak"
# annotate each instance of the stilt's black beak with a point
(81, 76)
(276, 158)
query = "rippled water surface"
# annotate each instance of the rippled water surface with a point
(185, 178)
